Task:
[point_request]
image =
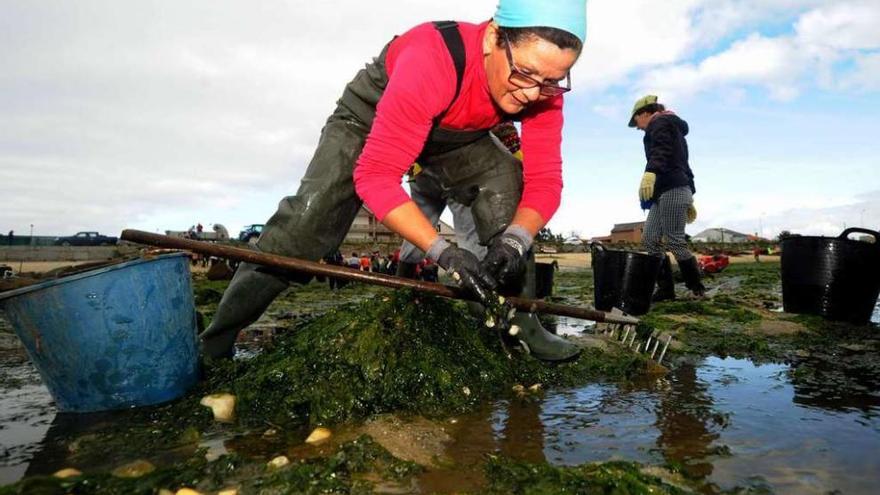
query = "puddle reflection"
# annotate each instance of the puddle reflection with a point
(728, 422)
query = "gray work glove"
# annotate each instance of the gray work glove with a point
(506, 258)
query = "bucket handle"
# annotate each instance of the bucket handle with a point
(852, 230)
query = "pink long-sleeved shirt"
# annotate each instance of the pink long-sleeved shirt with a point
(421, 84)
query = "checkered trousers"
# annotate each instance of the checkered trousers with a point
(666, 221)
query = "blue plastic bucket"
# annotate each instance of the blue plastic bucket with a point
(115, 337)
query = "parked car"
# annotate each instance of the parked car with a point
(86, 239)
(217, 233)
(250, 233)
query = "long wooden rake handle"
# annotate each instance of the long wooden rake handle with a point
(288, 264)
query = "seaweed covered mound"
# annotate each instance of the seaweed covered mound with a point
(396, 352)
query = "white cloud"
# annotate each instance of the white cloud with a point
(847, 25)
(625, 35)
(783, 65)
(756, 60)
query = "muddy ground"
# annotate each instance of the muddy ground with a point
(753, 400)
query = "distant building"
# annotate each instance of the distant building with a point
(367, 228)
(721, 235)
(627, 232)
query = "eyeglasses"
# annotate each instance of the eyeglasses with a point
(523, 81)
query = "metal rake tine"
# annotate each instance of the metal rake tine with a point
(665, 346)
(656, 345)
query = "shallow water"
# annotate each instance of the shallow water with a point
(729, 422)
(26, 412)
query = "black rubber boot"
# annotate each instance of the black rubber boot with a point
(248, 295)
(665, 284)
(406, 270)
(535, 338)
(690, 271)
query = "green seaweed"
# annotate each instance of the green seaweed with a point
(401, 352)
(512, 477)
(336, 473)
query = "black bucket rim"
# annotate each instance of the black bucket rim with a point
(843, 237)
(601, 247)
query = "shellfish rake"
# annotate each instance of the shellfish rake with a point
(653, 344)
(288, 264)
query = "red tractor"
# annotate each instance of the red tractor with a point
(714, 263)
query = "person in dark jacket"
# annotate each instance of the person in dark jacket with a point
(667, 188)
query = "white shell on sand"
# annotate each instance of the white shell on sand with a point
(67, 473)
(222, 405)
(318, 435)
(278, 462)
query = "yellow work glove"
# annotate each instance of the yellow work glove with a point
(646, 188)
(692, 213)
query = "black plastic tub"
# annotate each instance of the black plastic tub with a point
(835, 277)
(623, 279)
(544, 279)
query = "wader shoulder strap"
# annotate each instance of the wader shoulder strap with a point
(455, 45)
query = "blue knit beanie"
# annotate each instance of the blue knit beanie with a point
(567, 15)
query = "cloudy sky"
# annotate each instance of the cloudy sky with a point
(160, 114)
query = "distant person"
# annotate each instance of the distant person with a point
(11, 236)
(667, 188)
(393, 262)
(334, 259)
(365, 264)
(429, 271)
(354, 261)
(757, 253)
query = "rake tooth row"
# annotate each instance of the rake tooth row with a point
(627, 336)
